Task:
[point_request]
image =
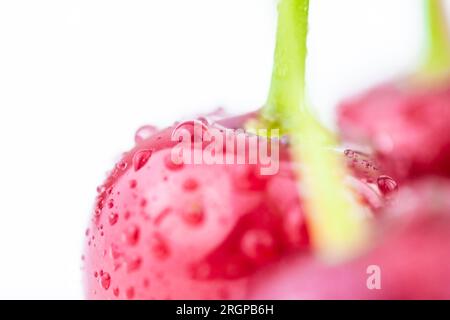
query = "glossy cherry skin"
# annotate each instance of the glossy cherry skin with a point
(162, 230)
(411, 252)
(407, 127)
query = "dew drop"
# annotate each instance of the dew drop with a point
(117, 265)
(105, 280)
(349, 153)
(173, 164)
(194, 215)
(110, 190)
(162, 215)
(113, 217)
(131, 235)
(133, 263)
(190, 184)
(110, 203)
(387, 185)
(195, 127)
(101, 189)
(133, 184)
(130, 293)
(122, 165)
(258, 245)
(100, 202)
(140, 158)
(159, 247)
(116, 292)
(97, 212)
(115, 252)
(144, 132)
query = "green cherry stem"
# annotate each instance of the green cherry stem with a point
(437, 60)
(333, 215)
(288, 78)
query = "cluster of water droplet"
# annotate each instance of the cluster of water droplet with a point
(258, 237)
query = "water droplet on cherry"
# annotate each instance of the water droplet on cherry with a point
(196, 128)
(159, 247)
(171, 164)
(113, 217)
(110, 203)
(122, 165)
(387, 185)
(349, 153)
(131, 235)
(140, 158)
(194, 215)
(115, 251)
(130, 293)
(133, 184)
(144, 132)
(133, 263)
(105, 280)
(190, 184)
(258, 245)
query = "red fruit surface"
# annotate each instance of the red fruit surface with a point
(408, 128)
(411, 252)
(162, 230)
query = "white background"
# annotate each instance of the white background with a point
(77, 77)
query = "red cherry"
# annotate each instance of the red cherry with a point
(410, 252)
(195, 230)
(408, 128)
(169, 223)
